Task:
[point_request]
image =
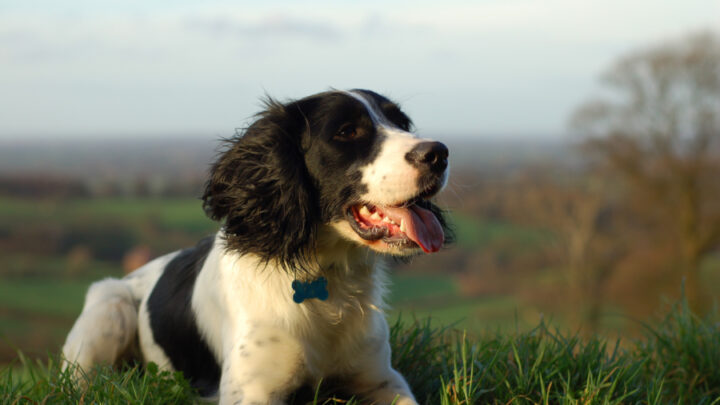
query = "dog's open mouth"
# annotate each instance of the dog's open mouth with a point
(405, 225)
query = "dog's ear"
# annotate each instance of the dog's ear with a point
(260, 188)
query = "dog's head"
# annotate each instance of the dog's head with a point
(343, 159)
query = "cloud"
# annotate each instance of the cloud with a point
(272, 26)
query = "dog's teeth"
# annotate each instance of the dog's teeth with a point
(375, 216)
(388, 220)
(402, 226)
(364, 211)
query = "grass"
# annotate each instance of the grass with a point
(45, 383)
(186, 215)
(473, 232)
(44, 296)
(417, 287)
(183, 213)
(677, 362)
(54, 302)
(438, 297)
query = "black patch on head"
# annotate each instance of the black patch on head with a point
(333, 159)
(172, 320)
(295, 168)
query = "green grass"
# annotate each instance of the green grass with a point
(436, 297)
(45, 383)
(677, 362)
(44, 296)
(186, 215)
(414, 287)
(473, 232)
(109, 227)
(180, 214)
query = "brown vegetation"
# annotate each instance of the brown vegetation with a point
(660, 138)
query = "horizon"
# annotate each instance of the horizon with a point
(115, 139)
(93, 159)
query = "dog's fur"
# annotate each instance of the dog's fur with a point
(289, 192)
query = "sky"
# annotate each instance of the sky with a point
(140, 68)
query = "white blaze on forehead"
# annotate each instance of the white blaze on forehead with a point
(378, 118)
(390, 178)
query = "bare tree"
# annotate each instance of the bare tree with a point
(582, 212)
(658, 130)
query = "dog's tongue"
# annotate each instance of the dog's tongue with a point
(421, 226)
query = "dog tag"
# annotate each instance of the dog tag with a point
(306, 290)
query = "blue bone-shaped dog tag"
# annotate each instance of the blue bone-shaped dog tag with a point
(315, 289)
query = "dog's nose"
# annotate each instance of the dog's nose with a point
(432, 155)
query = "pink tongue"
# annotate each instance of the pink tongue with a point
(421, 226)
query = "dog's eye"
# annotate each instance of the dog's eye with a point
(347, 132)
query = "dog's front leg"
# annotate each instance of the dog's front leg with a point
(384, 385)
(261, 366)
(375, 379)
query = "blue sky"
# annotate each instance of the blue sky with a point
(513, 68)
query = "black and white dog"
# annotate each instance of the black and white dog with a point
(291, 289)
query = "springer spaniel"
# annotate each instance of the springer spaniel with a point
(290, 290)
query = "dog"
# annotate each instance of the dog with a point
(311, 197)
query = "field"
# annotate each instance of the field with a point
(44, 277)
(51, 250)
(490, 347)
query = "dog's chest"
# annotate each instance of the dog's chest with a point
(332, 332)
